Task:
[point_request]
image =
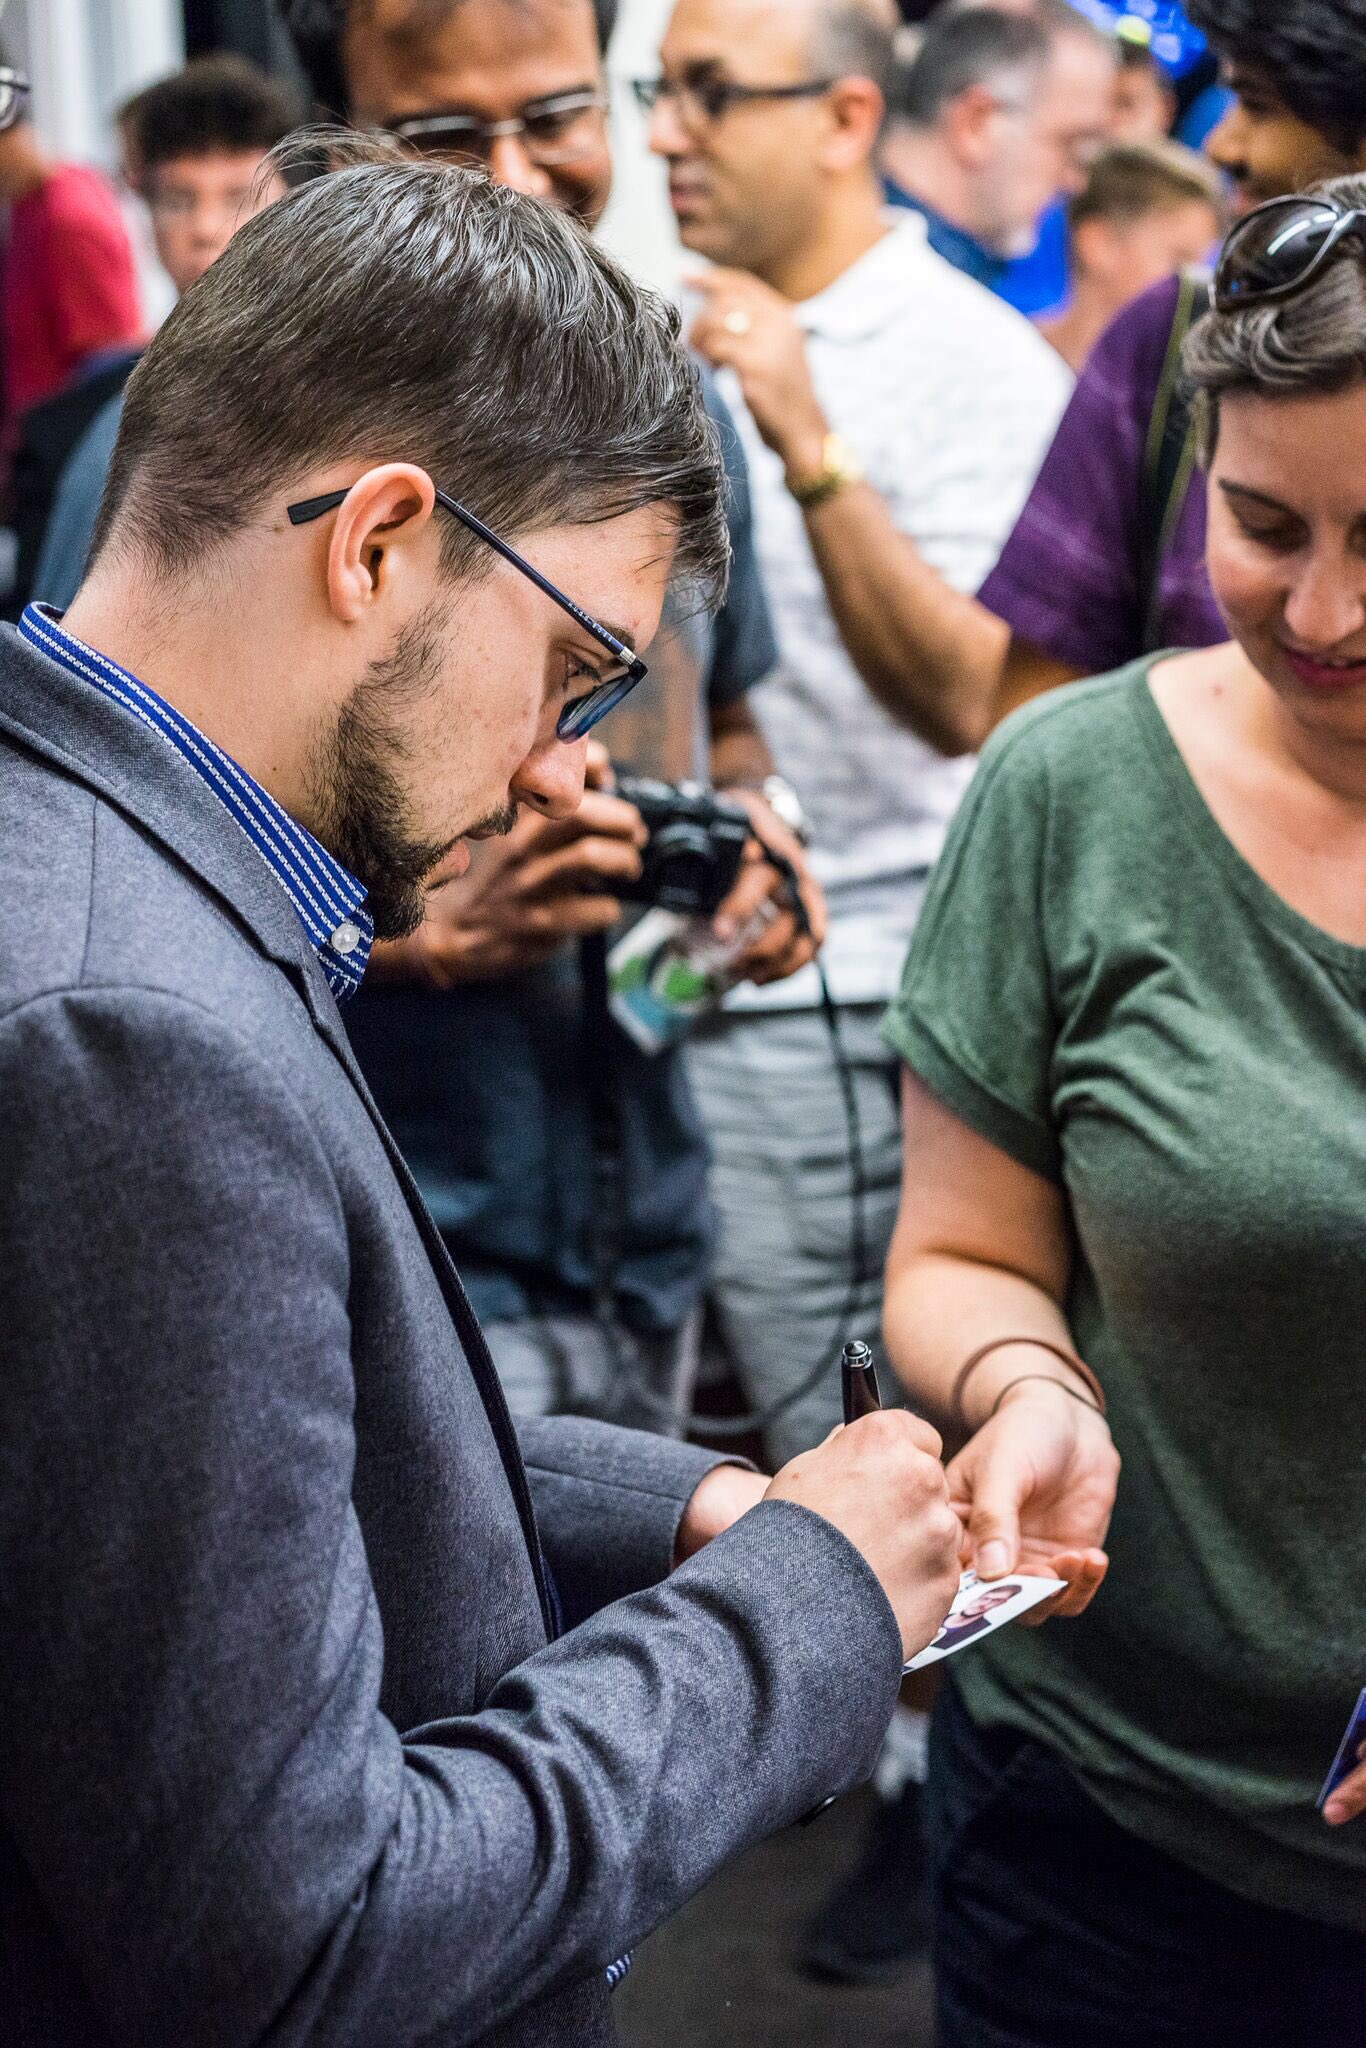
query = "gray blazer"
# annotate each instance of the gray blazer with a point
(285, 1753)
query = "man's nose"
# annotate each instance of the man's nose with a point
(551, 779)
(666, 134)
(510, 165)
(1225, 143)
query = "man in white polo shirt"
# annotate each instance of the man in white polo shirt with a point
(893, 413)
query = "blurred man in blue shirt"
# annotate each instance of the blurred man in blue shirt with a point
(195, 141)
(996, 116)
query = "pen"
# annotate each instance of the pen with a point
(859, 1387)
(858, 1381)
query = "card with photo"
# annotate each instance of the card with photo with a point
(1351, 1751)
(980, 1607)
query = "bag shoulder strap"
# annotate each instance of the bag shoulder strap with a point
(1168, 453)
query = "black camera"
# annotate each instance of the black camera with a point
(692, 856)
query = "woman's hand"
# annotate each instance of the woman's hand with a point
(1035, 1488)
(1350, 1798)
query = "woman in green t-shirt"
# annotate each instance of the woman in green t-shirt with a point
(1134, 1023)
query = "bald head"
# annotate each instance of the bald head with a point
(769, 120)
(852, 39)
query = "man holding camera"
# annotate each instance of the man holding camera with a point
(566, 1167)
(330, 1712)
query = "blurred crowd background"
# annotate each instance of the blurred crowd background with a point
(86, 57)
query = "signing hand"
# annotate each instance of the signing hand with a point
(747, 327)
(782, 947)
(881, 1484)
(1034, 1488)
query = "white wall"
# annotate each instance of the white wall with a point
(84, 58)
(638, 226)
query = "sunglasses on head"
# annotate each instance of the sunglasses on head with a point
(1279, 248)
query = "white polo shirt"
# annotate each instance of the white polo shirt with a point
(949, 400)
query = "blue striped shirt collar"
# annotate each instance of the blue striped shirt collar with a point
(326, 898)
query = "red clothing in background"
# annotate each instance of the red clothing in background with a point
(67, 285)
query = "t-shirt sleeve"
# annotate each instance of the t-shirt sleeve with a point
(975, 1018)
(1068, 577)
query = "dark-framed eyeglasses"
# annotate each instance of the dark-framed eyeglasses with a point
(581, 714)
(700, 101)
(1278, 248)
(553, 131)
(14, 90)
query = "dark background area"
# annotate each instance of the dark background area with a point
(721, 1974)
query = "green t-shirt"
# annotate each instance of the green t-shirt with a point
(1101, 986)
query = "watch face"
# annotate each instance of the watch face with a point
(786, 805)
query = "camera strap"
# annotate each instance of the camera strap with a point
(607, 1229)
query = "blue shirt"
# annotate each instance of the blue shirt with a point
(1040, 282)
(955, 245)
(326, 898)
(1036, 283)
(76, 507)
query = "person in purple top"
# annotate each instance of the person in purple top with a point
(1067, 583)
(1069, 586)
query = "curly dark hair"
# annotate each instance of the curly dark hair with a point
(1313, 52)
(316, 28)
(218, 102)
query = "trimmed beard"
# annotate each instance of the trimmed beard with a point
(365, 819)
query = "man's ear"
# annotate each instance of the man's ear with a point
(382, 515)
(1093, 248)
(856, 109)
(969, 123)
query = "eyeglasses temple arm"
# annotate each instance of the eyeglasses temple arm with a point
(543, 583)
(313, 508)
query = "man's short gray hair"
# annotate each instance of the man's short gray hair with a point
(395, 310)
(967, 47)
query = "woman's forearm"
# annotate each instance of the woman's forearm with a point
(940, 1308)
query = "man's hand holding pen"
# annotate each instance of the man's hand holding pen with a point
(882, 1485)
(880, 1480)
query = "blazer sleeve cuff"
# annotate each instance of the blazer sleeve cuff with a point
(609, 1502)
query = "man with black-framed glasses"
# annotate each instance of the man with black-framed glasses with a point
(892, 413)
(493, 1000)
(334, 1707)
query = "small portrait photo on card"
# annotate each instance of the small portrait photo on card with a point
(980, 1607)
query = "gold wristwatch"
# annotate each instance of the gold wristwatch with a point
(839, 468)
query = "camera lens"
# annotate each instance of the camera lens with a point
(682, 866)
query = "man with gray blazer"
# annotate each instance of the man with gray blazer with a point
(331, 1712)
